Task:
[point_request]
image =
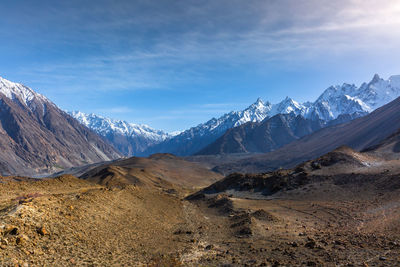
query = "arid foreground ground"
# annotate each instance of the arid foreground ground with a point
(320, 216)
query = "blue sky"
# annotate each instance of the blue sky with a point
(173, 64)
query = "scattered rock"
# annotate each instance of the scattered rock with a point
(339, 242)
(310, 244)
(245, 231)
(42, 230)
(208, 247)
(181, 231)
(10, 230)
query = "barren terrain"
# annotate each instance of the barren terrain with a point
(344, 211)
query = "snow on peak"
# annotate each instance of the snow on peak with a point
(174, 133)
(379, 92)
(256, 112)
(105, 126)
(18, 91)
(346, 99)
(286, 106)
(333, 102)
(259, 103)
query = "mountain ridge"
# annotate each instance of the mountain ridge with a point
(269, 134)
(40, 137)
(129, 138)
(264, 136)
(332, 103)
(359, 134)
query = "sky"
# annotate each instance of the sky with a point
(173, 64)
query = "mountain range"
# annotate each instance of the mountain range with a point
(359, 134)
(336, 102)
(37, 136)
(270, 134)
(305, 215)
(129, 138)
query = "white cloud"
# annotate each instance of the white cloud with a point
(145, 46)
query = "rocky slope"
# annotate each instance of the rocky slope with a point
(36, 136)
(129, 138)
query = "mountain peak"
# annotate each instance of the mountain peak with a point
(37, 136)
(375, 79)
(259, 103)
(19, 91)
(288, 100)
(259, 106)
(346, 99)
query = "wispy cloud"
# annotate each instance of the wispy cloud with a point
(91, 48)
(186, 44)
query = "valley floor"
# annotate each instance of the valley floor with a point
(71, 222)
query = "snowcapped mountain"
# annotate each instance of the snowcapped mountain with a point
(257, 111)
(104, 126)
(36, 136)
(340, 103)
(263, 137)
(24, 95)
(287, 106)
(347, 99)
(334, 103)
(337, 100)
(131, 139)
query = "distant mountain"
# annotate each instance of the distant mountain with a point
(129, 138)
(196, 138)
(36, 136)
(347, 99)
(268, 135)
(359, 134)
(336, 102)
